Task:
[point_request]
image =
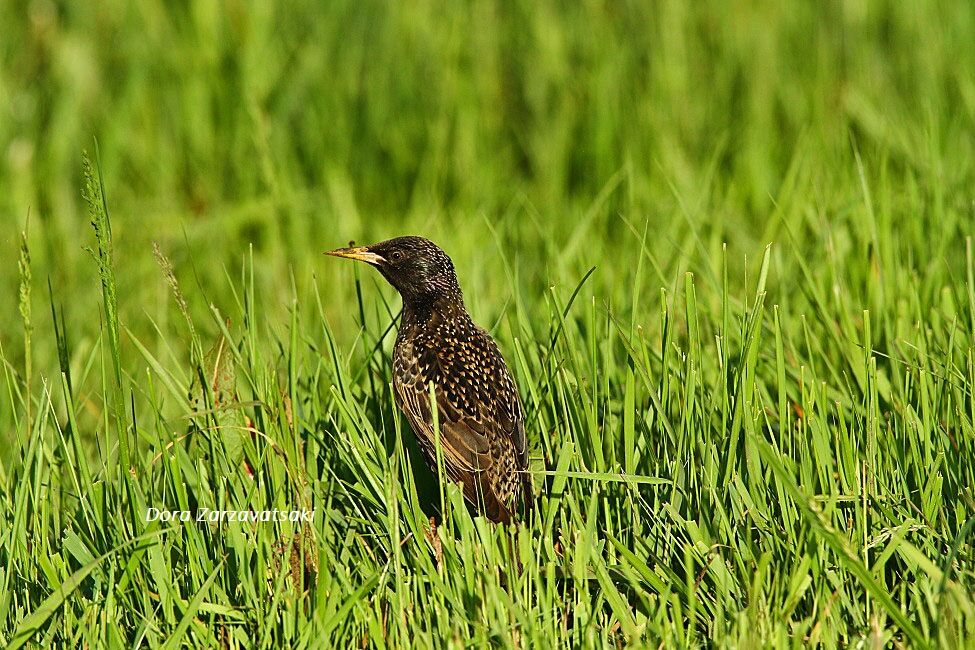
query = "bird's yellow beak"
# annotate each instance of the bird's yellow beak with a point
(360, 253)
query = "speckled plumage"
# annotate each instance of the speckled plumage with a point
(482, 432)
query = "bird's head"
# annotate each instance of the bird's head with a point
(415, 266)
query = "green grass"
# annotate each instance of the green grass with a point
(726, 251)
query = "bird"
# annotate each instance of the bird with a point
(482, 424)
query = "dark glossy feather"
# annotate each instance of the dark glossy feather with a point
(480, 415)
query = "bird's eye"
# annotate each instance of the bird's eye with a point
(396, 256)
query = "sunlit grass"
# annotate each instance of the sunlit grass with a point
(725, 252)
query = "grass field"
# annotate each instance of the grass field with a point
(725, 248)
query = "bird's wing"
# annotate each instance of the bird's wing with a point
(511, 418)
(478, 434)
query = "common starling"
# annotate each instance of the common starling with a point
(482, 428)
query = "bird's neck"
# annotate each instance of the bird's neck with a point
(421, 310)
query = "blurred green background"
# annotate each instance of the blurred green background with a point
(534, 141)
(536, 128)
